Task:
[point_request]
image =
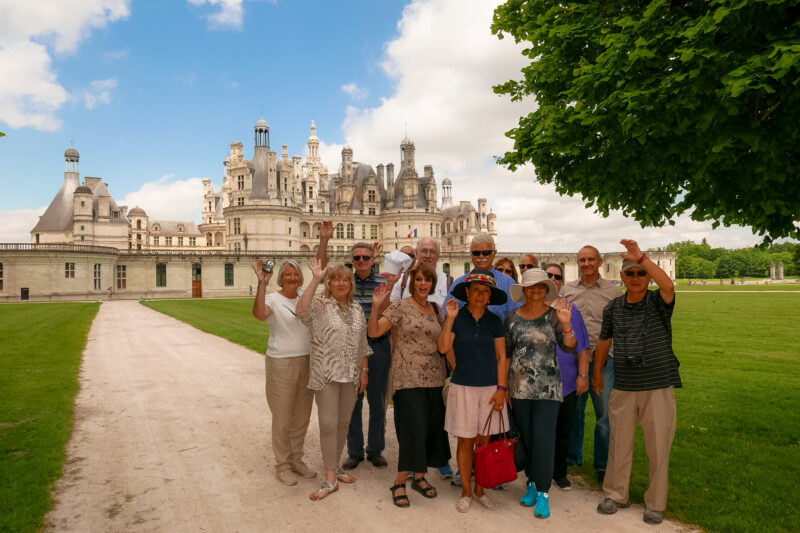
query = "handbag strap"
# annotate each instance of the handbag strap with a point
(502, 423)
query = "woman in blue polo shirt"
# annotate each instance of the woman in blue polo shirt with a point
(479, 382)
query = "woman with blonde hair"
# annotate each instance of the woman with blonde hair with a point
(506, 266)
(338, 366)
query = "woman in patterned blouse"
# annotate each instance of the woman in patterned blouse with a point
(417, 378)
(339, 353)
(532, 333)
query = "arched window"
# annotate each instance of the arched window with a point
(138, 224)
(350, 232)
(340, 231)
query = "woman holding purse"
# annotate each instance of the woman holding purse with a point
(532, 333)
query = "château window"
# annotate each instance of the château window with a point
(155, 240)
(237, 247)
(167, 241)
(311, 193)
(161, 274)
(340, 231)
(240, 185)
(1, 276)
(371, 210)
(97, 283)
(363, 231)
(122, 275)
(311, 209)
(371, 196)
(237, 226)
(180, 241)
(69, 270)
(229, 274)
(240, 201)
(350, 232)
(192, 241)
(373, 231)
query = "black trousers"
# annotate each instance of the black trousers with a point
(536, 422)
(566, 418)
(419, 424)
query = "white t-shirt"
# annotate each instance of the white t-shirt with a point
(438, 295)
(288, 336)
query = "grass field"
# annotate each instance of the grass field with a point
(713, 285)
(734, 464)
(39, 361)
(230, 318)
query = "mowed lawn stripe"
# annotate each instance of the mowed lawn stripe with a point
(40, 355)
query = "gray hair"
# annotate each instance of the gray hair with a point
(482, 237)
(292, 263)
(556, 265)
(436, 241)
(366, 245)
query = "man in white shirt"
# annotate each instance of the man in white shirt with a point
(428, 253)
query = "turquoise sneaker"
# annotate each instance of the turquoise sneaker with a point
(529, 499)
(542, 505)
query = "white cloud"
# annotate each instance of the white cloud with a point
(98, 92)
(444, 63)
(30, 94)
(165, 199)
(110, 56)
(354, 91)
(16, 225)
(229, 16)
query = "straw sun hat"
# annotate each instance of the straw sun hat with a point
(533, 276)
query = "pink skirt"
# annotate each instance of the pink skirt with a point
(467, 411)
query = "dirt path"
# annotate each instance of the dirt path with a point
(172, 434)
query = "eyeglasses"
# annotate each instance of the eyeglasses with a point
(485, 253)
(558, 277)
(505, 271)
(362, 257)
(631, 273)
(526, 266)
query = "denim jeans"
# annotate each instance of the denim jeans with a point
(601, 428)
(378, 381)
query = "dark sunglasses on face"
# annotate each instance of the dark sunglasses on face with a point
(558, 277)
(412, 256)
(505, 270)
(526, 266)
(485, 253)
(631, 273)
(362, 257)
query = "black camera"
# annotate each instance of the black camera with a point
(269, 264)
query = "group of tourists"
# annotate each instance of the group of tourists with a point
(470, 358)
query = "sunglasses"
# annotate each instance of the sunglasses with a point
(558, 277)
(524, 266)
(485, 253)
(631, 273)
(505, 270)
(362, 257)
(412, 256)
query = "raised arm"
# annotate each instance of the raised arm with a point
(445, 342)
(325, 234)
(307, 297)
(378, 325)
(260, 309)
(661, 278)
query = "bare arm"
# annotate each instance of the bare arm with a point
(445, 342)
(308, 295)
(325, 234)
(665, 284)
(378, 325)
(583, 370)
(600, 358)
(260, 309)
(499, 396)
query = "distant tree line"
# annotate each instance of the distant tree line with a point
(701, 261)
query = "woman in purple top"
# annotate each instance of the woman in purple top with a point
(575, 381)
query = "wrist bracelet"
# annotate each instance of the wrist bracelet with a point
(642, 259)
(365, 369)
(501, 387)
(567, 332)
(584, 376)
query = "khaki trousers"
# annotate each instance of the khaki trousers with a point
(289, 400)
(335, 407)
(655, 411)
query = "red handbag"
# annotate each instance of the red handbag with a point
(494, 461)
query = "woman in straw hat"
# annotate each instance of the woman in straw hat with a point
(532, 333)
(480, 378)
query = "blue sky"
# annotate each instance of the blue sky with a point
(153, 93)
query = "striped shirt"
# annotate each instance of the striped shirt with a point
(642, 334)
(364, 289)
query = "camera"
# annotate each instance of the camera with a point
(269, 264)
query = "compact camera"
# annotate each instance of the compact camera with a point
(269, 264)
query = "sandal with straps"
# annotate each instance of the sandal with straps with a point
(324, 490)
(398, 500)
(428, 492)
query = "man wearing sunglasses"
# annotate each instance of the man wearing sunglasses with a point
(527, 262)
(591, 293)
(645, 378)
(482, 253)
(363, 255)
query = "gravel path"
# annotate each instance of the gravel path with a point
(172, 434)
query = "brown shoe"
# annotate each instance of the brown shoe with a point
(287, 477)
(303, 470)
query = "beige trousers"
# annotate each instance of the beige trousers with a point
(655, 411)
(289, 400)
(335, 408)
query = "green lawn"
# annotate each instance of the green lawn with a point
(230, 318)
(734, 463)
(39, 361)
(713, 285)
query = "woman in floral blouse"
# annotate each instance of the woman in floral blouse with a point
(532, 333)
(417, 378)
(339, 353)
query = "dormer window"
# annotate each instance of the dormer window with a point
(180, 229)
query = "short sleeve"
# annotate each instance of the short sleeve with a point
(607, 329)
(664, 308)
(393, 313)
(509, 337)
(579, 326)
(312, 313)
(497, 328)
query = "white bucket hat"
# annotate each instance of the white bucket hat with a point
(533, 276)
(395, 260)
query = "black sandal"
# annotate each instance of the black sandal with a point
(398, 499)
(428, 492)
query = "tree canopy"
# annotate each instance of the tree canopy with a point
(701, 261)
(662, 107)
